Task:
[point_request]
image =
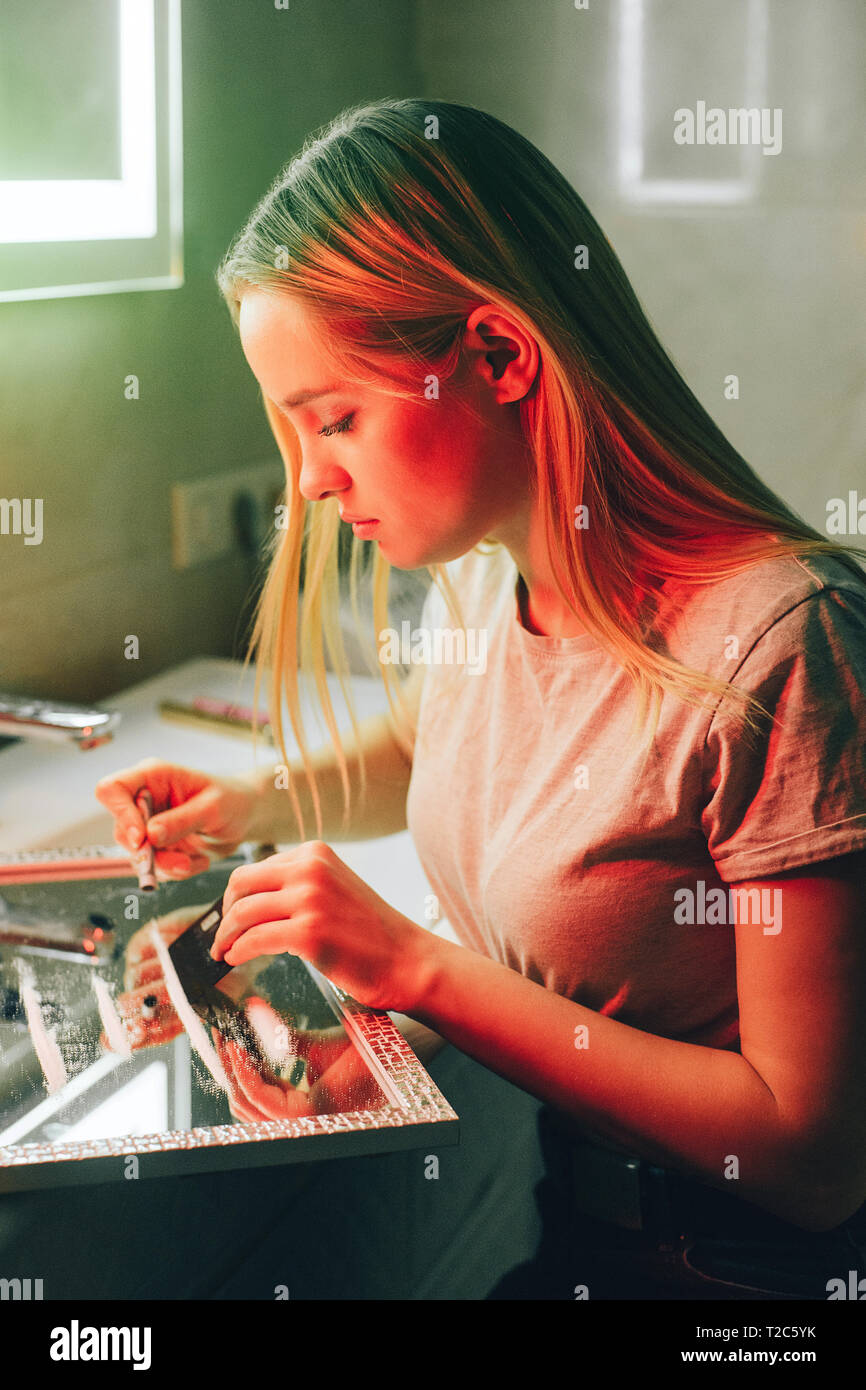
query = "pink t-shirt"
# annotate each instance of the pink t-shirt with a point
(549, 853)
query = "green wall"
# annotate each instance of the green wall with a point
(256, 81)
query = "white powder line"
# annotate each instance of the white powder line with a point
(111, 1020)
(187, 1014)
(44, 1039)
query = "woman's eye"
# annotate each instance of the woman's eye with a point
(340, 426)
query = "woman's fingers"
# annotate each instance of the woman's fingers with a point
(241, 1105)
(320, 1048)
(147, 972)
(247, 913)
(267, 875)
(261, 1099)
(168, 783)
(271, 939)
(237, 1065)
(117, 793)
(148, 1016)
(196, 817)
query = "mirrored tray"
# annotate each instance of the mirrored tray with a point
(97, 1065)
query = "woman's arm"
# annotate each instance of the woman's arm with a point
(790, 1108)
(388, 771)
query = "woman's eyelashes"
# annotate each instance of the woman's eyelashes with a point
(340, 426)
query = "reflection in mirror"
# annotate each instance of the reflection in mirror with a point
(100, 1040)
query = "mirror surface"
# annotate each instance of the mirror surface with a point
(92, 1047)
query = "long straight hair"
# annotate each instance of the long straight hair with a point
(390, 226)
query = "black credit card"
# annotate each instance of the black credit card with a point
(190, 953)
(198, 973)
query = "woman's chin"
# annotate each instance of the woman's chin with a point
(406, 555)
(398, 559)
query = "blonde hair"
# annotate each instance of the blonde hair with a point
(391, 225)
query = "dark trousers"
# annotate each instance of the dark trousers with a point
(730, 1250)
(379, 1227)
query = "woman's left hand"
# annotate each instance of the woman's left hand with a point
(307, 902)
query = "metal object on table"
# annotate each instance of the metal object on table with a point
(58, 721)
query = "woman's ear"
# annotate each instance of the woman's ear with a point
(502, 352)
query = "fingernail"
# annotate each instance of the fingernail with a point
(156, 834)
(134, 837)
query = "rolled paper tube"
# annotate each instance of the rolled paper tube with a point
(142, 859)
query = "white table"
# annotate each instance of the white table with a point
(46, 789)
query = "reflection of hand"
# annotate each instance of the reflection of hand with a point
(143, 979)
(146, 1026)
(142, 962)
(338, 1077)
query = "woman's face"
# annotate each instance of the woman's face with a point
(436, 475)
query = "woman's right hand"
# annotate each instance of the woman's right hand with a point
(200, 817)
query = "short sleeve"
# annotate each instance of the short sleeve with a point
(795, 794)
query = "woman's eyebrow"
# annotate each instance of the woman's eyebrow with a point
(303, 396)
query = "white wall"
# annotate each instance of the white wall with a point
(773, 289)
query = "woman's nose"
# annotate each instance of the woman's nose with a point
(317, 483)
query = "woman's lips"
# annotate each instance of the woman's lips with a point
(364, 528)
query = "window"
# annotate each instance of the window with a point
(673, 54)
(90, 148)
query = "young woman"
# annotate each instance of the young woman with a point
(643, 813)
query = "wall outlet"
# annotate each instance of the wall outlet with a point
(203, 513)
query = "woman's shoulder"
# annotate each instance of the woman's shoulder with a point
(784, 596)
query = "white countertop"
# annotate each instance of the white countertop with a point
(46, 789)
